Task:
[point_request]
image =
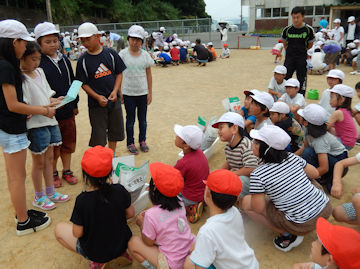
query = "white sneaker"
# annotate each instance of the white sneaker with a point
(357, 72)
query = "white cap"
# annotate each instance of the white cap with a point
(67, 33)
(75, 30)
(351, 18)
(273, 136)
(313, 113)
(336, 73)
(166, 47)
(175, 35)
(153, 34)
(191, 134)
(193, 45)
(343, 90)
(166, 43)
(230, 117)
(62, 34)
(210, 43)
(76, 49)
(156, 47)
(280, 107)
(280, 69)
(182, 43)
(174, 43)
(319, 43)
(45, 28)
(146, 34)
(263, 98)
(352, 45)
(292, 82)
(87, 29)
(356, 41)
(323, 30)
(14, 29)
(136, 31)
(337, 20)
(162, 29)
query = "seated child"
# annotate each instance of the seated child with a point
(166, 237)
(260, 105)
(175, 53)
(279, 115)
(194, 168)
(226, 52)
(277, 51)
(238, 151)
(250, 120)
(294, 202)
(341, 119)
(210, 47)
(334, 77)
(183, 53)
(164, 58)
(335, 247)
(292, 97)
(356, 109)
(99, 231)
(317, 61)
(277, 83)
(220, 242)
(321, 149)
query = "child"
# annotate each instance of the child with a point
(321, 149)
(13, 111)
(260, 105)
(292, 97)
(334, 77)
(293, 202)
(210, 47)
(335, 247)
(226, 52)
(238, 152)
(279, 115)
(99, 231)
(317, 61)
(163, 58)
(221, 242)
(175, 53)
(333, 51)
(43, 133)
(166, 236)
(250, 120)
(100, 69)
(345, 129)
(356, 109)
(277, 83)
(194, 168)
(183, 53)
(59, 74)
(277, 51)
(136, 87)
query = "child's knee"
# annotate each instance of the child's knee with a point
(356, 202)
(134, 242)
(246, 203)
(59, 230)
(339, 213)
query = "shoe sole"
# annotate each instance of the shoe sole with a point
(16, 220)
(294, 244)
(46, 209)
(35, 229)
(60, 201)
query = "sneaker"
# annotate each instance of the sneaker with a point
(194, 212)
(132, 149)
(33, 213)
(202, 64)
(357, 72)
(286, 243)
(96, 265)
(57, 180)
(69, 177)
(57, 197)
(144, 147)
(44, 203)
(32, 225)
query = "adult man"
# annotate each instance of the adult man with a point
(352, 30)
(297, 39)
(223, 35)
(116, 41)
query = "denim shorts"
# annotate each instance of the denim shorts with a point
(350, 210)
(80, 250)
(43, 137)
(12, 143)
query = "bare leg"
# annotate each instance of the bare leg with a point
(56, 157)
(340, 215)
(112, 145)
(188, 263)
(141, 252)
(356, 204)
(16, 174)
(66, 160)
(357, 118)
(48, 167)
(38, 166)
(64, 235)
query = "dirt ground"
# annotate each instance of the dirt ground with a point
(180, 94)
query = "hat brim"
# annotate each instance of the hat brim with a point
(27, 38)
(137, 36)
(255, 135)
(329, 76)
(292, 85)
(178, 130)
(300, 112)
(52, 32)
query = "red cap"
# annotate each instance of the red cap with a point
(167, 179)
(280, 40)
(224, 181)
(97, 161)
(225, 45)
(342, 243)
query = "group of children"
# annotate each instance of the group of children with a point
(263, 174)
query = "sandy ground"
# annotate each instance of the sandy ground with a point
(180, 94)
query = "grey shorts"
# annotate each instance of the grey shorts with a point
(350, 210)
(245, 181)
(107, 124)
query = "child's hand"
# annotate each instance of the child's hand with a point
(50, 111)
(113, 96)
(149, 98)
(122, 98)
(28, 117)
(102, 100)
(140, 219)
(337, 190)
(76, 111)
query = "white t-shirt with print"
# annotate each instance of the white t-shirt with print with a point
(297, 100)
(273, 85)
(351, 32)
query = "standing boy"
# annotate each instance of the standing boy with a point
(297, 38)
(100, 69)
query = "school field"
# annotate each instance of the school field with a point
(180, 94)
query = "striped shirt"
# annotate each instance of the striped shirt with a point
(288, 187)
(241, 155)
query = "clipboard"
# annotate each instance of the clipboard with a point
(71, 94)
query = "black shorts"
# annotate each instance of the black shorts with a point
(107, 124)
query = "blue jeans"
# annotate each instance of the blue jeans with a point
(310, 156)
(131, 104)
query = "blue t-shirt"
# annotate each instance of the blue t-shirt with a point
(183, 54)
(247, 116)
(323, 24)
(166, 57)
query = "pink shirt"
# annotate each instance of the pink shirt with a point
(194, 167)
(346, 129)
(171, 231)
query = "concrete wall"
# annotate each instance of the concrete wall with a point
(267, 24)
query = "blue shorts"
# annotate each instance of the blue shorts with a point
(43, 137)
(12, 143)
(80, 250)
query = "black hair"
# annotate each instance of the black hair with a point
(39, 40)
(346, 104)
(107, 32)
(7, 52)
(223, 201)
(324, 251)
(297, 10)
(100, 183)
(315, 130)
(157, 198)
(142, 41)
(240, 129)
(31, 48)
(262, 107)
(357, 86)
(317, 50)
(198, 41)
(271, 155)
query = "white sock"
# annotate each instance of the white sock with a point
(148, 265)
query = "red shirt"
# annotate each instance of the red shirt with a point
(175, 54)
(194, 167)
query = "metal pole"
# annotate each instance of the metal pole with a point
(48, 11)
(240, 15)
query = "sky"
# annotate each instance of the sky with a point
(224, 9)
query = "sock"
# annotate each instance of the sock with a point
(286, 234)
(148, 265)
(25, 222)
(50, 190)
(38, 195)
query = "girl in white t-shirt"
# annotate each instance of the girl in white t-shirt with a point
(277, 51)
(43, 132)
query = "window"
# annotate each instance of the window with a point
(259, 13)
(309, 11)
(276, 12)
(267, 12)
(284, 12)
(319, 10)
(327, 11)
